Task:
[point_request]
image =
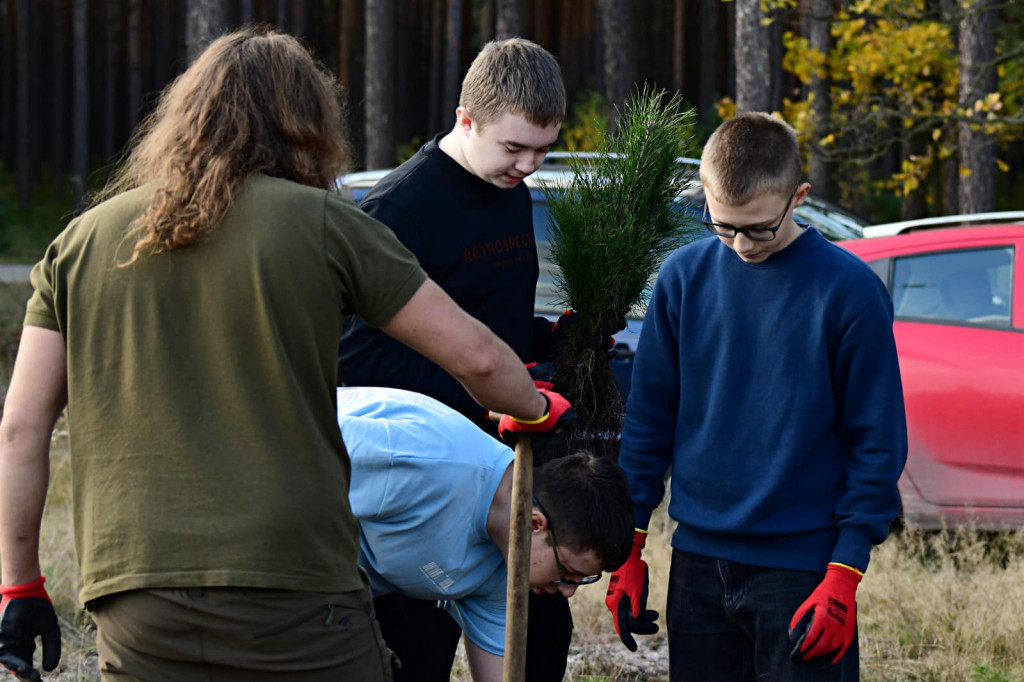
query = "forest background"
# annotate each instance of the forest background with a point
(905, 108)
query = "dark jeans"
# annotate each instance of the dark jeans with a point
(424, 637)
(730, 621)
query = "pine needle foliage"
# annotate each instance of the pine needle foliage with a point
(611, 227)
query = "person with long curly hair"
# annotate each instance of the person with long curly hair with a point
(189, 321)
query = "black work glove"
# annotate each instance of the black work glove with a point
(26, 612)
(542, 373)
(560, 334)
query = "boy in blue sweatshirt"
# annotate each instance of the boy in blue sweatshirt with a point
(766, 377)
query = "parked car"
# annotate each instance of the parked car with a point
(908, 226)
(958, 296)
(832, 221)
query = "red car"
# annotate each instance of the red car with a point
(958, 295)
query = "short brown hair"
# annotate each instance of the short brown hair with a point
(586, 501)
(514, 76)
(748, 156)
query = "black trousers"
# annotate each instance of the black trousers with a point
(425, 637)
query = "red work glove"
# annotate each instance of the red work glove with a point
(26, 613)
(829, 615)
(558, 415)
(627, 596)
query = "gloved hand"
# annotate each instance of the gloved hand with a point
(560, 333)
(829, 616)
(542, 374)
(627, 596)
(559, 415)
(25, 613)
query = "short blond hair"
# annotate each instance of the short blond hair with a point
(749, 156)
(514, 76)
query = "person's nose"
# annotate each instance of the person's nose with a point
(742, 243)
(529, 161)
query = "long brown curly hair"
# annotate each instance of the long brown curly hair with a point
(253, 102)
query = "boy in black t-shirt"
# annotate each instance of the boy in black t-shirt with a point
(460, 205)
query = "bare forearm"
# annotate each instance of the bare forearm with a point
(432, 325)
(502, 385)
(36, 397)
(24, 476)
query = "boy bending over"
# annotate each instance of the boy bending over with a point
(432, 494)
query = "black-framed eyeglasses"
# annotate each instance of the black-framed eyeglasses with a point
(585, 580)
(754, 234)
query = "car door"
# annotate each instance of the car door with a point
(961, 352)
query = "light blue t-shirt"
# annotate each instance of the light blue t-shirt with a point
(423, 478)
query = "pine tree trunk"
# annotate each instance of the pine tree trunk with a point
(380, 80)
(58, 99)
(511, 21)
(950, 173)
(205, 20)
(541, 23)
(818, 29)
(134, 62)
(298, 26)
(80, 130)
(488, 22)
(753, 70)
(707, 67)
(914, 205)
(164, 46)
(23, 103)
(347, 32)
(620, 63)
(977, 79)
(110, 89)
(452, 50)
(678, 44)
(8, 153)
(281, 15)
(778, 75)
(440, 114)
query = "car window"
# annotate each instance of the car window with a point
(971, 287)
(881, 268)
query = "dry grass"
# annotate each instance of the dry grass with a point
(933, 607)
(945, 607)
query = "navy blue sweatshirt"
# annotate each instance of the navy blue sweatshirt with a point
(475, 240)
(773, 391)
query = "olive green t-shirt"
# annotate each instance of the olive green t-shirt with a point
(205, 449)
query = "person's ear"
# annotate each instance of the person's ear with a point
(463, 121)
(801, 193)
(538, 522)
